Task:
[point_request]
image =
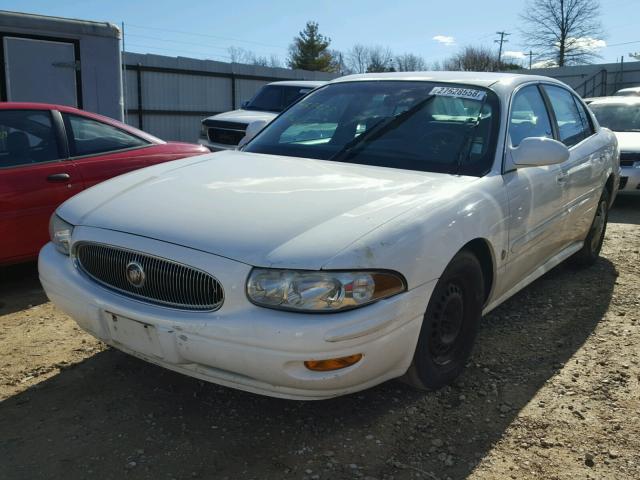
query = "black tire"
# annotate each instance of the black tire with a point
(450, 325)
(590, 251)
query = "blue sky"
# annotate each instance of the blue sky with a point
(207, 29)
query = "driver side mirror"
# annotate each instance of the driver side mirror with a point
(538, 152)
(252, 130)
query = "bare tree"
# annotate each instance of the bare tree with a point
(357, 58)
(380, 59)
(565, 31)
(409, 62)
(476, 59)
(241, 55)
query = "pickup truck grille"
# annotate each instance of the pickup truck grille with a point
(226, 133)
(627, 159)
(163, 282)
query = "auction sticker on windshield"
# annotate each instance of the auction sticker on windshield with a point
(468, 93)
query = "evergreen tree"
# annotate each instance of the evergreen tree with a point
(310, 50)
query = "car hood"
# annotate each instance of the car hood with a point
(244, 116)
(628, 141)
(263, 210)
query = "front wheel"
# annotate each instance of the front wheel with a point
(590, 251)
(450, 324)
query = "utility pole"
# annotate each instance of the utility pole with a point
(123, 68)
(501, 41)
(531, 54)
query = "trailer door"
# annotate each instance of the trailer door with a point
(40, 71)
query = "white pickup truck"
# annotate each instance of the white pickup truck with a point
(225, 130)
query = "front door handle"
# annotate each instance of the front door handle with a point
(58, 177)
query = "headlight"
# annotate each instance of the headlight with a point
(60, 233)
(203, 130)
(319, 291)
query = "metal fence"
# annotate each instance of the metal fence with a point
(169, 96)
(595, 80)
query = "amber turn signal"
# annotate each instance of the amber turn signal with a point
(332, 363)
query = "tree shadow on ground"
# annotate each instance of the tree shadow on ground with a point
(113, 416)
(20, 288)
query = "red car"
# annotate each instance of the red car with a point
(49, 153)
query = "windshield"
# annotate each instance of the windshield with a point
(275, 98)
(425, 126)
(618, 117)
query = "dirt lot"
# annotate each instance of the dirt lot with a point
(552, 392)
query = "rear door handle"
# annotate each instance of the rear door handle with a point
(561, 179)
(58, 177)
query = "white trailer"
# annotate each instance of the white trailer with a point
(62, 61)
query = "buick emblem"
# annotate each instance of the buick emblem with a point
(135, 274)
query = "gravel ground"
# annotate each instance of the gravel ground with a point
(552, 392)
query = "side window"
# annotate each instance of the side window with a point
(570, 123)
(90, 137)
(26, 137)
(529, 116)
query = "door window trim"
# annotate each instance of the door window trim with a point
(552, 117)
(594, 131)
(506, 143)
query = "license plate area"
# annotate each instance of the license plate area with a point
(134, 335)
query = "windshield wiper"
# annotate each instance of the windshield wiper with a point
(467, 142)
(378, 129)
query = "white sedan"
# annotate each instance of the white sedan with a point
(622, 116)
(358, 238)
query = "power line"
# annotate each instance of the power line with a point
(179, 50)
(501, 41)
(149, 37)
(198, 34)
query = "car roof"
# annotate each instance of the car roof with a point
(620, 100)
(629, 89)
(299, 83)
(480, 79)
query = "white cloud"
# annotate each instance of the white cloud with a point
(445, 40)
(586, 43)
(513, 54)
(545, 64)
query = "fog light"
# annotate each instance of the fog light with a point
(332, 363)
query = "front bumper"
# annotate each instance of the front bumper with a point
(241, 345)
(630, 180)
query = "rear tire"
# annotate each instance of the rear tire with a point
(450, 325)
(590, 251)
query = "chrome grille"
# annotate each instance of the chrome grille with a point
(166, 282)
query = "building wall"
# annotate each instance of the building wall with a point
(169, 96)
